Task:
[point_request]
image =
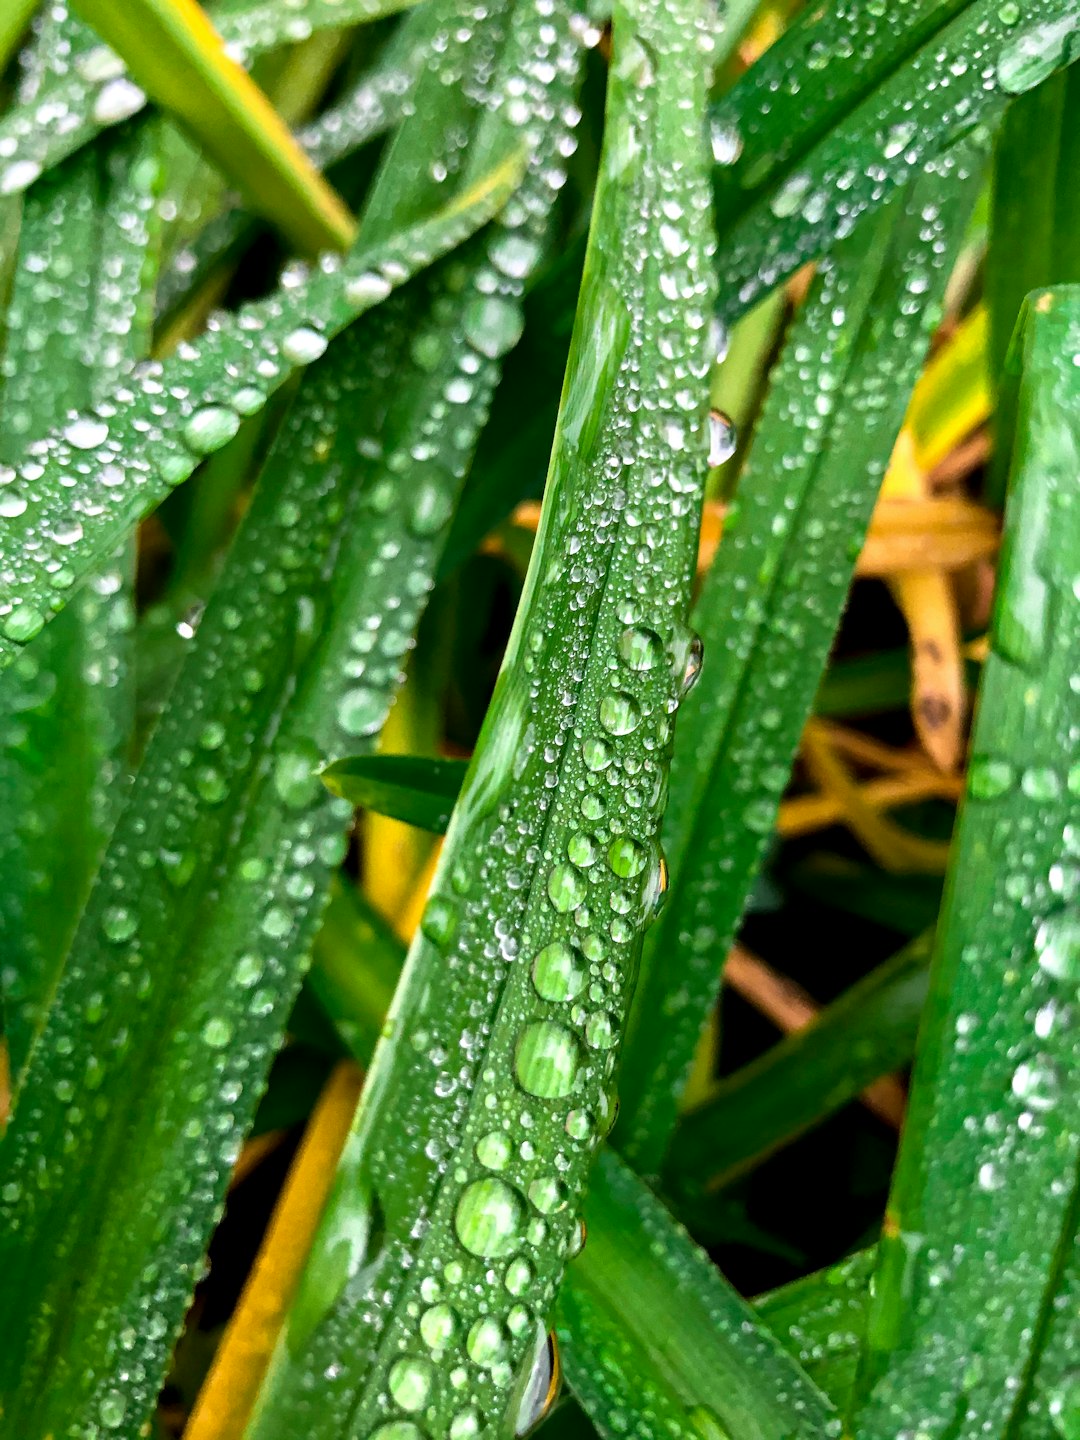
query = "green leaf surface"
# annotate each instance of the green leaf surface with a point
(489, 1070)
(78, 319)
(820, 1319)
(770, 606)
(412, 788)
(93, 91)
(849, 106)
(133, 447)
(808, 1076)
(1034, 229)
(658, 1345)
(982, 1211)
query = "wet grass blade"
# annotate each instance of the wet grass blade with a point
(770, 607)
(800, 161)
(79, 317)
(656, 1343)
(132, 448)
(94, 91)
(475, 1043)
(821, 1318)
(983, 1204)
(807, 1076)
(174, 53)
(410, 788)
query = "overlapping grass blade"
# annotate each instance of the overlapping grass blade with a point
(410, 788)
(148, 436)
(484, 1104)
(173, 52)
(226, 849)
(800, 161)
(821, 1318)
(1034, 236)
(807, 1076)
(771, 604)
(94, 91)
(982, 1211)
(79, 317)
(657, 1344)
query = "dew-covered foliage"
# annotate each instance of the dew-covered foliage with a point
(539, 720)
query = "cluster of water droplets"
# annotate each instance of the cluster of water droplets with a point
(955, 85)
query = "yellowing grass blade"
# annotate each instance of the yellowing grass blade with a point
(177, 56)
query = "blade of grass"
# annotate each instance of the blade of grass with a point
(521, 861)
(133, 448)
(1034, 230)
(869, 1031)
(1049, 1404)
(94, 92)
(79, 317)
(14, 23)
(820, 1320)
(770, 607)
(982, 1208)
(411, 788)
(175, 54)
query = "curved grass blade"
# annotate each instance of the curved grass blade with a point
(809, 1075)
(149, 436)
(411, 788)
(475, 1043)
(770, 607)
(175, 54)
(820, 1320)
(1034, 229)
(983, 1204)
(94, 91)
(652, 1334)
(887, 110)
(79, 317)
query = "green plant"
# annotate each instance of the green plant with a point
(264, 522)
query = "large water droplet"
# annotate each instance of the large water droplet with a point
(410, 1382)
(209, 428)
(303, 345)
(541, 1388)
(642, 649)
(722, 438)
(437, 1326)
(487, 1342)
(488, 1220)
(566, 888)
(1031, 56)
(619, 713)
(86, 433)
(492, 325)
(1057, 945)
(547, 1060)
(558, 972)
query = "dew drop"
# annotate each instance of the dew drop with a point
(493, 1150)
(112, 1410)
(547, 1060)
(989, 777)
(1057, 945)
(217, 1032)
(626, 857)
(488, 1220)
(1031, 56)
(1036, 1084)
(600, 1030)
(619, 713)
(118, 100)
(437, 1325)
(558, 972)
(367, 289)
(566, 888)
(86, 433)
(24, 622)
(492, 324)
(210, 428)
(722, 438)
(410, 1382)
(487, 1342)
(398, 1430)
(303, 345)
(541, 1386)
(360, 711)
(642, 649)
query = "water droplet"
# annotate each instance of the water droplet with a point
(1041, 782)
(583, 850)
(725, 142)
(217, 1032)
(303, 345)
(989, 777)
(596, 754)
(410, 1382)
(398, 1430)
(360, 711)
(1036, 1084)
(487, 1342)
(86, 433)
(722, 438)
(439, 921)
(24, 622)
(1063, 1405)
(493, 1150)
(492, 325)
(1057, 945)
(118, 100)
(437, 1325)
(209, 428)
(488, 1220)
(367, 289)
(642, 649)
(112, 1410)
(566, 888)
(619, 713)
(1031, 56)
(118, 923)
(518, 1277)
(541, 1386)
(600, 1030)
(626, 857)
(547, 1194)
(547, 1060)
(558, 972)
(465, 1424)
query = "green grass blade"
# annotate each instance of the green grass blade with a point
(14, 22)
(464, 1022)
(355, 967)
(1050, 1401)
(983, 1204)
(770, 607)
(1034, 228)
(134, 447)
(95, 91)
(78, 318)
(809, 1075)
(176, 55)
(411, 788)
(654, 1339)
(895, 98)
(821, 1319)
